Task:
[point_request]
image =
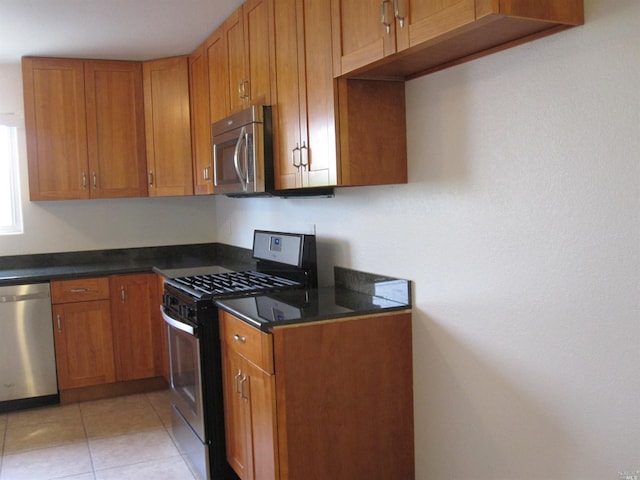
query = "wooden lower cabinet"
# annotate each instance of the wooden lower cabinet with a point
(84, 344)
(135, 308)
(107, 329)
(320, 400)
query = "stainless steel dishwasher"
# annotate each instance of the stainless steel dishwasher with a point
(27, 354)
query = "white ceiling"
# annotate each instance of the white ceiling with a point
(115, 29)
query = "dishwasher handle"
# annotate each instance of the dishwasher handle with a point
(22, 298)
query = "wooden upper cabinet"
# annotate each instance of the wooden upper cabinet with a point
(168, 126)
(407, 38)
(115, 129)
(369, 30)
(85, 128)
(360, 36)
(258, 19)
(305, 115)
(323, 129)
(372, 152)
(217, 65)
(239, 59)
(236, 61)
(200, 122)
(418, 21)
(55, 120)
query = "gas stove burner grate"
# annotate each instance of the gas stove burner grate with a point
(234, 283)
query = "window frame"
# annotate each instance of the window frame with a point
(14, 123)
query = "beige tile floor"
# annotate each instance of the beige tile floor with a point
(120, 438)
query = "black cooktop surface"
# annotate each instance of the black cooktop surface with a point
(229, 284)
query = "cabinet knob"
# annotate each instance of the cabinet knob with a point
(239, 338)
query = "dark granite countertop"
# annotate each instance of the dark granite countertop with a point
(355, 293)
(37, 268)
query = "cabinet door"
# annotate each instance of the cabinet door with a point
(305, 136)
(55, 120)
(84, 344)
(168, 129)
(287, 135)
(115, 129)
(418, 21)
(217, 64)
(200, 122)
(261, 395)
(363, 32)
(319, 160)
(258, 38)
(236, 61)
(134, 303)
(237, 414)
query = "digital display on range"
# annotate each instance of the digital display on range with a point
(275, 245)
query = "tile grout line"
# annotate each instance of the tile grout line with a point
(86, 439)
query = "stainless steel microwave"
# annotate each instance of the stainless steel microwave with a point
(243, 153)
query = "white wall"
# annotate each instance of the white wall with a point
(96, 224)
(521, 230)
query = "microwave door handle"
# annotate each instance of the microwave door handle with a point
(247, 151)
(236, 159)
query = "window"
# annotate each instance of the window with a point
(10, 208)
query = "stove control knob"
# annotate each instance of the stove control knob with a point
(187, 312)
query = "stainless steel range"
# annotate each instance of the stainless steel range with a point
(284, 261)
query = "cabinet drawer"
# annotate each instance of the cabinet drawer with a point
(80, 290)
(249, 342)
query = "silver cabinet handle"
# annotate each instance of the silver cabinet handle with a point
(293, 157)
(79, 290)
(95, 180)
(123, 296)
(240, 338)
(383, 14)
(304, 155)
(242, 382)
(150, 178)
(59, 323)
(242, 90)
(84, 180)
(396, 12)
(206, 173)
(235, 381)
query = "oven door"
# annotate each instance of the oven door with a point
(185, 373)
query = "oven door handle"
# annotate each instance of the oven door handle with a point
(177, 324)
